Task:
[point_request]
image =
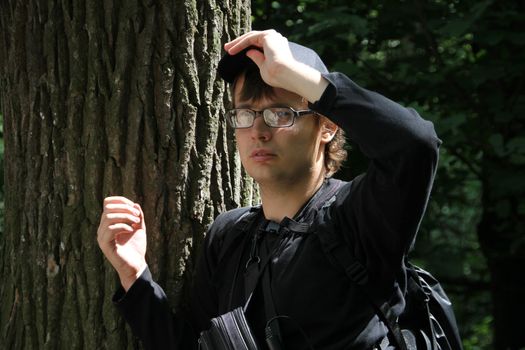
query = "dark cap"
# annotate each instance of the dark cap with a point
(231, 66)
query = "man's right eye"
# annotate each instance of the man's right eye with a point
(244, 117)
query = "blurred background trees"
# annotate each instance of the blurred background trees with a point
(461, 65)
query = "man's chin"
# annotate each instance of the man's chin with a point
(263, 177)
(271, 180)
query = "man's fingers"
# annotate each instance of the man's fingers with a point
(118, 204)
(121, 208)
(231, 46)
(110, 232)
(121, 217)
(118, 200)
(253, 38)
(142, 221)
(256, 56)
(120, 227)
(115, 221)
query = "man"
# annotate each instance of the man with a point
(287, 115)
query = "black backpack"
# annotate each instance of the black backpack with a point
(427, 322)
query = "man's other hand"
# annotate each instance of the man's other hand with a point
(121, 236)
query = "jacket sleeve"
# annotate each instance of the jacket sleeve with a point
(146, 309)
(386, 205)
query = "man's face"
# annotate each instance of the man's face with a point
(280, 156)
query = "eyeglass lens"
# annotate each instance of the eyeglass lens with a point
(273, 117)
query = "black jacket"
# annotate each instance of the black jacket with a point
(379, 219)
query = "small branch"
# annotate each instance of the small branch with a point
(467, 162)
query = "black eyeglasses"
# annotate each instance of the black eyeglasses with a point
(278, 117)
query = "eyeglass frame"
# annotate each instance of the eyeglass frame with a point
(296, 114)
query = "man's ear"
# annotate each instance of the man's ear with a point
(328, 129)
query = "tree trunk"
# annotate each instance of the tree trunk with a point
(107, 98)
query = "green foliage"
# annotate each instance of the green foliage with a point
(481, 337)
(460, 64)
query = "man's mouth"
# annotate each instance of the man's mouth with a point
(262, 155)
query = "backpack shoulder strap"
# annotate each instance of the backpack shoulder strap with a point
(324, 197)
(237, 227)
(336, 248)
(339, 253)
(232, 227)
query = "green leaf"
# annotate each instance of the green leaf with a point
(496, 141)
(517, 159)
(516, 145)
(478, 9)
(452, 123)
(456, 27)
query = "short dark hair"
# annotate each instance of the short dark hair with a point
(254, 88)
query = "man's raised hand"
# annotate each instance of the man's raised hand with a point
(273, 57)
(277, 66)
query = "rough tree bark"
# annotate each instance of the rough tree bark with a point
(107, 98)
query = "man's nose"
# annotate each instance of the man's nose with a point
(260, 130)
